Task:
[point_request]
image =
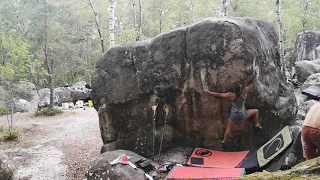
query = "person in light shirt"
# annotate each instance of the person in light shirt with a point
(238, 110)
(310, 136)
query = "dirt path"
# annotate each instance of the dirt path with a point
(60, 147)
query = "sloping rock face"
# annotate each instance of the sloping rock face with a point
(102, 169)
(130, 78)
(313, 80)
(306, 46)
(306, 68)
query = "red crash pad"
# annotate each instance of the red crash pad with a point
(185, 172)
(217, 159)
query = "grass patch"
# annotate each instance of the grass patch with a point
(48, 112)
(11, 136)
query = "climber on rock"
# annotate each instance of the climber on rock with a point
(238, 111)
(310, 135)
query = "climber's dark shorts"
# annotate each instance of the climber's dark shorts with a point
(310, 140)
(234, 116)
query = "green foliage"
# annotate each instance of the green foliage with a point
(6, 175)
(17, 65)
(1, 129)
(4, 110)
(48, 112)
(74, 44)
(12, 135)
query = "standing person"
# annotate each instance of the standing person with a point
(310, 136)
(238, 111)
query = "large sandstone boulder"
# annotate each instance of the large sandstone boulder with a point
(304, 108)
(24, 94)
(21, 105)
(60, 95)
(306, 46)
(130, 78)
(316, 53)
(80, 94)
(76, 92)
(103, 170)
(306, 68)
(313, 79)
(25, 90)
(6, 167)
(79, 91)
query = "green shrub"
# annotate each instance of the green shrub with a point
(6, 174)
(10, 136)
(48, 112)
(1, 129)
(4, 110)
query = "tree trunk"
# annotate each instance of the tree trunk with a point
(96, 17)
(161, 16)
(139, 22)
(111, 22)
(16, 6)
(281, 31)
(235, 6)
(47, 61)
(134, 14)
(304, 18)
(224, 7)
(11, 118)
(192, 9)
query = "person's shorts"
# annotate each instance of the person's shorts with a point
(310, 140)
(234, 116)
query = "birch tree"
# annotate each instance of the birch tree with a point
(224, 7)
(192, 9)
(139, 22)
(304, 18)
(111, 22)
(281, 34)
(96, 17)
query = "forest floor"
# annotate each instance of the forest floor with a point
(59, 147)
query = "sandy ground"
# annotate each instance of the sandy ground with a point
(60, 147)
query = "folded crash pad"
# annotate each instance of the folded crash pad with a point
(210, 158)
(275, 146)
(185, 172)
(312, 92)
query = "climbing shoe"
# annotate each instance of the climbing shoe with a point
(223, 142)
(259, 126)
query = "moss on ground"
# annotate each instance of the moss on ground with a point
(305, 170)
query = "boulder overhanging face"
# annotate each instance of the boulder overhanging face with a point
(130, 78)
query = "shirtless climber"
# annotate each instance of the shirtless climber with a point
(310, 136)
(238, 111)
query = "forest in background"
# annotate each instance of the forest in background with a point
(60, 40)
